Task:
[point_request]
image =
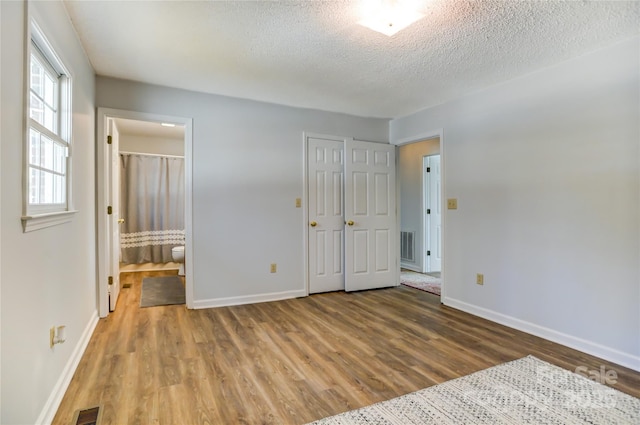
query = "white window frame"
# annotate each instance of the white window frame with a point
(39, 215)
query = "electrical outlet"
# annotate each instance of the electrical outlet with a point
(480, 279)
(274, 267)
(452, 204)
(56, 335)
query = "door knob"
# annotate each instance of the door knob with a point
(120, 220)
(313, 224)
(350, 222)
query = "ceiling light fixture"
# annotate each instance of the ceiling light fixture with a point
(167, 124)
(389, 16)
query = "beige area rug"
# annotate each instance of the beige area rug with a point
(421, 281)
(524, 391)
(163, 290)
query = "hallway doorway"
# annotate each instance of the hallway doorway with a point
(420, 188)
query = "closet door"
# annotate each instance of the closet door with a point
(325, 165)
(370, 214)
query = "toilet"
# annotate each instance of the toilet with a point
(177, 252)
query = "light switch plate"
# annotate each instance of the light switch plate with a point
(298, 202)
(452, 204)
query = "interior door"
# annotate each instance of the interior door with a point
(370, 214)
(325, 168)
(434, 218)
(113, 218)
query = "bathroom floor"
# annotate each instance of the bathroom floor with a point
(132, 281)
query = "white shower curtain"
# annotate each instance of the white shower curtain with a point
(152, 205)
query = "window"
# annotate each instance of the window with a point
(48, 135)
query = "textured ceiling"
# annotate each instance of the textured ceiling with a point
(314, 54)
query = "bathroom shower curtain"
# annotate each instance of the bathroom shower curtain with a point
(152, 205)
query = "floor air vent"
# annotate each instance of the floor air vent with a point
(91, 416)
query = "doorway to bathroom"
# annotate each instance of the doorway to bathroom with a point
(144, 187)
(151, 162)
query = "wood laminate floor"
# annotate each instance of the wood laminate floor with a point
(289, 362)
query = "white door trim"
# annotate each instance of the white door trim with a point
(113, 219)
(305, 198)
(426, 266)
(439, 133)
(102, 198)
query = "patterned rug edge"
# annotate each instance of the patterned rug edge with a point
(503, 394)
(421, 281)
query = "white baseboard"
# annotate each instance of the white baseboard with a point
(55, 398)
(249, 299)
(589, 347)
(412, 267)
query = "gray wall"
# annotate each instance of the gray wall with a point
(48, 276)
(546, 172)
(247, 173)
(150, 144)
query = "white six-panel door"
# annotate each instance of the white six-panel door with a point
(325, 168)
(370, 214)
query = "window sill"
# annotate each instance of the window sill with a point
(41, 221)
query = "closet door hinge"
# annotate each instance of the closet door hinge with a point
(428, 252)
(109, 210)
(110, 280)
(428, 168)
(109, 140)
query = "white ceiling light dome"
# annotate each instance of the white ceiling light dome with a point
(390, 16)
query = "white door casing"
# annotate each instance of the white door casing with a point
(370, 214)
(325, 169)
(103, 175)
(113, 218)
(433, 235)
(439, 134)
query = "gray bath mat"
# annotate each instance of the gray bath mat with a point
(164, 290)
